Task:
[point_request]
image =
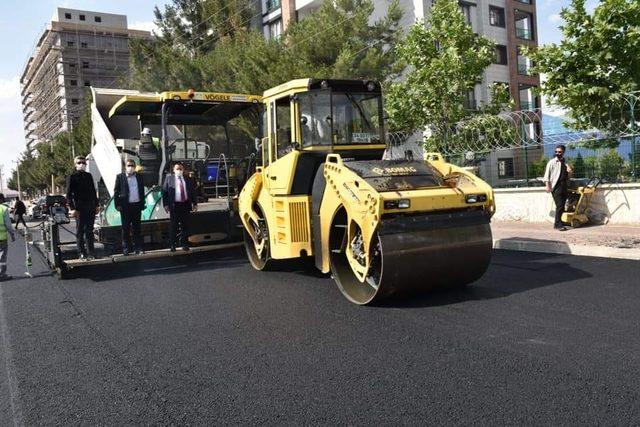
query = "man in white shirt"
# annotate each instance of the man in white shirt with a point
(556, 179)
(128, 196)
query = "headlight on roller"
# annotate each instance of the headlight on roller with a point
(397, 204)
(476, 198)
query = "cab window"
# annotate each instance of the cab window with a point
(283, 125)
(315, 117)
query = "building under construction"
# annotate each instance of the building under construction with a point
(77, 49)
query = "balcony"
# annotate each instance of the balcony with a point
(525, 1)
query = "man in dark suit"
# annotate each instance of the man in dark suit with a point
(178, 198)
(128, 196)
(83, 201)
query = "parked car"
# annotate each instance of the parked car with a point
(55, 200)
(37, 208)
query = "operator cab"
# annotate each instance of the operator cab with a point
(307, 119)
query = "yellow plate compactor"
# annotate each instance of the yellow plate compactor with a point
(381, 227)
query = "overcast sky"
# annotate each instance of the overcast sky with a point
(21, 22)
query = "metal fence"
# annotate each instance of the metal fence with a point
(511, 149)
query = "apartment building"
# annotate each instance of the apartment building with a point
(511, 24)
(76, 50)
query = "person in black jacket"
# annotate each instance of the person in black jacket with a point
(128, 196)
(83, 201)
(178, 199)
(19, 210)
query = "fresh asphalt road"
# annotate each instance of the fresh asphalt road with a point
(540, 339)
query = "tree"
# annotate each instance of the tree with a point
(595, 64)
(445, 60)
(578, 167)
(338, 40)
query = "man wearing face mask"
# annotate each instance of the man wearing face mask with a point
(83, 201)
(178, 198)
(128, 196)
(556, 178)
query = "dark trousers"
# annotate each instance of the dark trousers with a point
(130, 214)
(84, 229)
(20, 219)
(179, 219)
(560, 199)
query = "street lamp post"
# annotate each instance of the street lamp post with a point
(18, 176)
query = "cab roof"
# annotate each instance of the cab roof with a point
(303, 85)
(199, 103)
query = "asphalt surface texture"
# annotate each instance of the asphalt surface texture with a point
(540, 339)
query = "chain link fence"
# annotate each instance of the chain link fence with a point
(511, 149)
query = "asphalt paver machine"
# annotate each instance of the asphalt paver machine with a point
(381, 227)
(211, 134)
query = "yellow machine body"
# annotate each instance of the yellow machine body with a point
(576, 215)
(382, 227)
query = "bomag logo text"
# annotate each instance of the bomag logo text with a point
(406, 170)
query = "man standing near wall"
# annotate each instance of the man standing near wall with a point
(5, 230)
(556, 178)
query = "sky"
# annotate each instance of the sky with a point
(22, 22)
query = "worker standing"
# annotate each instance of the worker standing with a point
(20, 209)
(5, 230)
(128, 196)
(178, 198)
(83, 201)
(556, 178)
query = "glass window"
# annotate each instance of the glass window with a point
(85, 64)
(73, 82)
(67, 16)
(82, 17)
(283, 126)
(275, 29)
(315, 117)
(69, 44)
(501, 55)
(83, 45)
(466, 11)
(496, 16)
(505, 168)
(356, 118)
(87, 83)
(97, 19)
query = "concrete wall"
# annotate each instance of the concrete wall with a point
(612, 204)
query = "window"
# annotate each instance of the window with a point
(470, 102)
(272, 5)
(505, 168)
(87, 83)
(275, 29)
(524, 63)
(72, 65)
(73, 82)
(315, 117)
(465, 9)
(70, 44)
(83, 45)
(496, 16)
(97, 19)
(67, 16)
(501, 55)
(82, 18)
(74, 101)
(524, 25)
(85, 64)
(283, 126)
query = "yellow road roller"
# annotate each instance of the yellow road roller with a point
(381, 227)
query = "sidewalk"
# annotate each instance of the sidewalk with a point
(608, 241)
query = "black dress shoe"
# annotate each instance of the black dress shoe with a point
(125, 252)
(561, 228)
(186, 248)
(172, 248)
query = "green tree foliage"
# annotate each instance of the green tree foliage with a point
(338, 40)
(537, 168)
(578, 166)
(56, 158)
(445, 60)
(595, 64)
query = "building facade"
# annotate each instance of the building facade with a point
(76, 50)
